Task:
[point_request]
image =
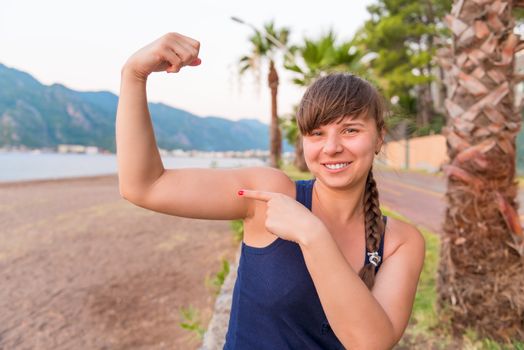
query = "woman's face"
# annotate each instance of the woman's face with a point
(340, 155)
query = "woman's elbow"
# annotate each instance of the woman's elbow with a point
(132, 196)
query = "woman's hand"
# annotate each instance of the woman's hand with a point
(169, 53)
(287, 218)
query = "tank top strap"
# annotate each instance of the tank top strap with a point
(304, 192)
(381, 248)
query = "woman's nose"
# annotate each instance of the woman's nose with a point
(332, 145)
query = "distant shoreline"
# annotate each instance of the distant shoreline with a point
(27, 167)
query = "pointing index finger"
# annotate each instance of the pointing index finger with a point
(258, 195)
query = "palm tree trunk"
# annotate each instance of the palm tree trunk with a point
(481, 271)
(275, 136)
(300, 161)
(424, 105)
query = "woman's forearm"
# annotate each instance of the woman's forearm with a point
(355, 316)
(139, 162)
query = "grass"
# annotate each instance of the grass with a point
(191, 321)
(296, 174)
(237, 228)
(217, 281)
(424, 316)
(424, 319)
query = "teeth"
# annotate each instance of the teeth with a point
(335, 166)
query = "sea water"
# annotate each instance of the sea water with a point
(23, 166)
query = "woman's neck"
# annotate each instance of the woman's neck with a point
(341, 207)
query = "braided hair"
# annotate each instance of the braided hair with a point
(374, 226)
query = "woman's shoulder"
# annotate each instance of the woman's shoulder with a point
(402, 234)
(272, 180)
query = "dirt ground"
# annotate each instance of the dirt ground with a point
(81, 268)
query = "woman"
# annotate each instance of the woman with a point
(301, 281)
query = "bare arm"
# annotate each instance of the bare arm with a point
(362, 319)
(139, 163)
(194, 193)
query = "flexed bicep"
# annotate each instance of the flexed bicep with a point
(206, 193)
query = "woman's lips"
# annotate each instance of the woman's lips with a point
(336, 170)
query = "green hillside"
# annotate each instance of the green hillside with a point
(39, 116)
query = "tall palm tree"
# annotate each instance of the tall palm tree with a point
(481, 271)
(264, 50)
(311, 59)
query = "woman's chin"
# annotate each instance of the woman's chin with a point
(340, 180)
(334, 181)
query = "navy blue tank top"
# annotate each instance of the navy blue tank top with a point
(275, 304)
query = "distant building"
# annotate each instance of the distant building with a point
(92, 150)
(71, 149)
(78, 149)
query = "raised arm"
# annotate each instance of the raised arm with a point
(195, 193)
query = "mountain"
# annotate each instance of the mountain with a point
(38, 116)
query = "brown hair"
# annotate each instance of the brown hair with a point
(329, 99)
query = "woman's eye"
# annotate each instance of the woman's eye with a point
(350, 130)
(315, 133)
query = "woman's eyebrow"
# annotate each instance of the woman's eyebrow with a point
(353, 123)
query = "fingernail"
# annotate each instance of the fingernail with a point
(241, 193)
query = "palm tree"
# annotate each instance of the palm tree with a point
(264, 49)
(316, 57)
(481, 271)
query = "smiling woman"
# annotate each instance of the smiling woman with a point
(302, 282)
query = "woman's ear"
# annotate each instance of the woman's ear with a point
(380, 140)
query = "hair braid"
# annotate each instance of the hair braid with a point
(374, 226)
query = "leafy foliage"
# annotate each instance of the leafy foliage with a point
(316, 57)
(263, 49)
(404, 35)
(191, 321)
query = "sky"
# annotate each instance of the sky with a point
(84, 44)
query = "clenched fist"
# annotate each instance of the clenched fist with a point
(169, 53)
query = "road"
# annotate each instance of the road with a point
(419, 197)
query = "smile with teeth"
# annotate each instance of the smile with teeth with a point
(336, 166)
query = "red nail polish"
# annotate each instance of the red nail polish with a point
(240, 193)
